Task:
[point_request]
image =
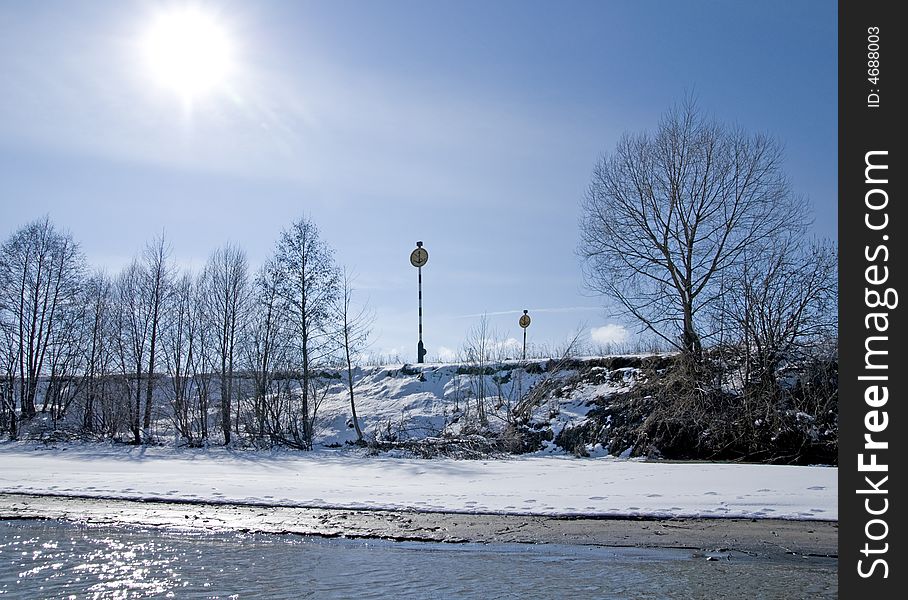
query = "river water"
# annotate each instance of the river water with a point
(54, 559)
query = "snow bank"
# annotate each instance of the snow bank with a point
(416, 401)
(551, 485)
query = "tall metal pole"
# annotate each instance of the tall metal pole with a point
(524, 322)
(420, 348)
(418, 258)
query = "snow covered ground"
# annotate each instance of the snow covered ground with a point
(433, 400)
(415, 401)
(408, 402)
(543, 485)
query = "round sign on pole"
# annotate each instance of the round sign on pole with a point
(524, 320)
(420, 256)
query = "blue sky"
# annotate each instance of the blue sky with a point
(473, 126)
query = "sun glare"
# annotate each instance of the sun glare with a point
(188, 51)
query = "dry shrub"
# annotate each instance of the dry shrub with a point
(689, 412)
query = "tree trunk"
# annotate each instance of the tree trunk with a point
(149, 390)
(359, 432)
(136, 424)
(691, 340)
(225, 403)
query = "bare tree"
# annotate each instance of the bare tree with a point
(179, 349)
(204, 358)
(260, 346)
(481, 349)
(131, 324)
(307, 286)
(156, 286)
(780, 301)
(667, 215)
(98, 352)
(226, 283)
(41, 271)
(9, 360)
(355, 327)
(65, 359)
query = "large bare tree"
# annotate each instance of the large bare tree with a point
(670, 213)
(131, 327)
(156, 287)
(178, 344)
(9, 359)
(264, 350)
(226, 282)
(308, 288)
(98, 298)
(41, 273)
(141, 297)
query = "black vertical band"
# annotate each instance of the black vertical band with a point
(872, 227)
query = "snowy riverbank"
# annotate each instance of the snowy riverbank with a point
(533, 485)
(799, 543)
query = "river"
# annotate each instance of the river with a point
(58, 559)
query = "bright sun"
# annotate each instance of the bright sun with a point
(188, 51)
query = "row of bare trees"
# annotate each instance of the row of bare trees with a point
(215, 355)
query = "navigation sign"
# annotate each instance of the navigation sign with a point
(524, 320)
(420, 256)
